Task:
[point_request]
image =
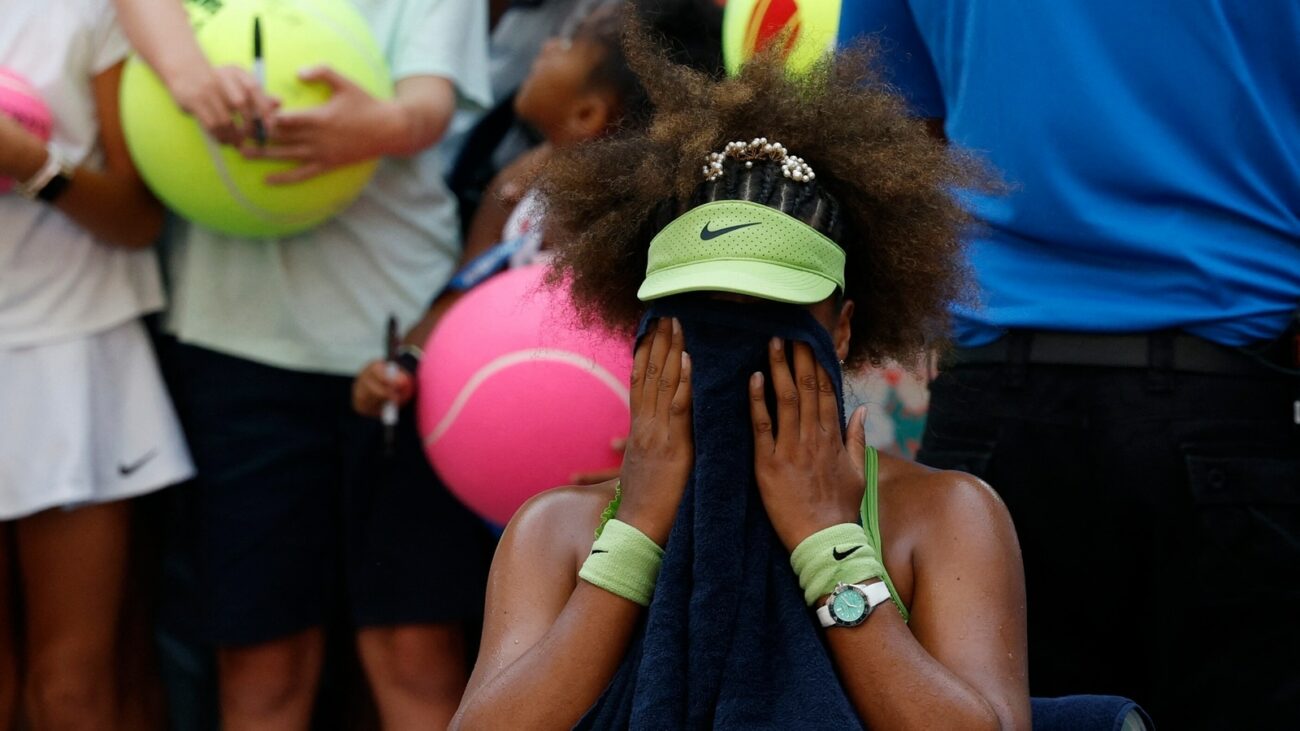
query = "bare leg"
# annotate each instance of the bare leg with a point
(142, 695)
(9, 681)
(271, 686)
(417, 672)
(73, 564)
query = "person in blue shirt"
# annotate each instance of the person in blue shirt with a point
(1123, 375)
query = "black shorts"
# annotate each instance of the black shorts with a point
(298, 509)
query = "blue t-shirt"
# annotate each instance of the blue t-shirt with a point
(1153, 149)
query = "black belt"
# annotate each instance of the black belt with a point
(1173, 351)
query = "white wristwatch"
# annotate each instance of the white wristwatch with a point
(850, 604)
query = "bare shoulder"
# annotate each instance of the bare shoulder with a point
(558, 525)
(926, 512)
(928, 495)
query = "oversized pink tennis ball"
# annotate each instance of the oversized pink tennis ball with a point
(514, 398)
(20, 101)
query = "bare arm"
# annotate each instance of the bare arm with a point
(961, 663)
(546, 635)
(113, 204)
(551, 643)
(160, 31)
(354, 126)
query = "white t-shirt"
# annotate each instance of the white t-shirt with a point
(56, 280)
(318, 301)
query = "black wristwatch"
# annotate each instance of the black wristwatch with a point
(408, 357)
(56, 187)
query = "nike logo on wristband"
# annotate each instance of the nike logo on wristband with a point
(706, 234)
(595, 551)
(841, 556)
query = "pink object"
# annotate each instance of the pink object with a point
(20, 101)
(514, 398)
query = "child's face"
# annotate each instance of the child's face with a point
(556, 97)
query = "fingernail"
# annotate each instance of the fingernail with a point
(686, 360)
(776, 344)
(677, 326)
(756, 380)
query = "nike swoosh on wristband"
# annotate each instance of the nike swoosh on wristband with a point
(841, 556)
(595, 551)
(706, 234)
(126, 470)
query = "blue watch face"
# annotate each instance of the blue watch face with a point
(849, 605)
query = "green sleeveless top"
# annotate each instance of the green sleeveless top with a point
(870, 521)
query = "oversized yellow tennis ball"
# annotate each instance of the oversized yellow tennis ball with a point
(214, 185)
(808, 27)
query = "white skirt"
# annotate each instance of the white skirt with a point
(84, 421)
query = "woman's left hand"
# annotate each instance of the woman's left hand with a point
(807, 478)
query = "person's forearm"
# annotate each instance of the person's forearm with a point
(417, 117)
(418, 127)
(117, 211)
(160, 31)
(895, 684)
(419, 334)
(559, 678)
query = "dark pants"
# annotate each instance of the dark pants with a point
(1159, 518)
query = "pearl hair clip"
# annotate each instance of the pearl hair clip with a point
(792, 166)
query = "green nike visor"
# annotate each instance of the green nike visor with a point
(743, 248)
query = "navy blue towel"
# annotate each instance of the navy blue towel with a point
(728, 642)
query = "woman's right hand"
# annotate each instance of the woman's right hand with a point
(660, 450)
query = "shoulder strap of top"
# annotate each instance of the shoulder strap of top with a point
(871, 522)
(611, 511)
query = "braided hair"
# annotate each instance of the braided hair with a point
(884, 190)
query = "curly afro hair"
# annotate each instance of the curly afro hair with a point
(884, 191)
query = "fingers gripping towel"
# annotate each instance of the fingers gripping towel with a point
(728, 642)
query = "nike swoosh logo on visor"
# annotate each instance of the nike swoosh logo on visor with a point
(706, 234)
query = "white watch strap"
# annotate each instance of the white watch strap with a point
(877, 593)
(51, 167)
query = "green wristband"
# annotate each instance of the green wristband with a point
(624, 561)
(834, 555)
